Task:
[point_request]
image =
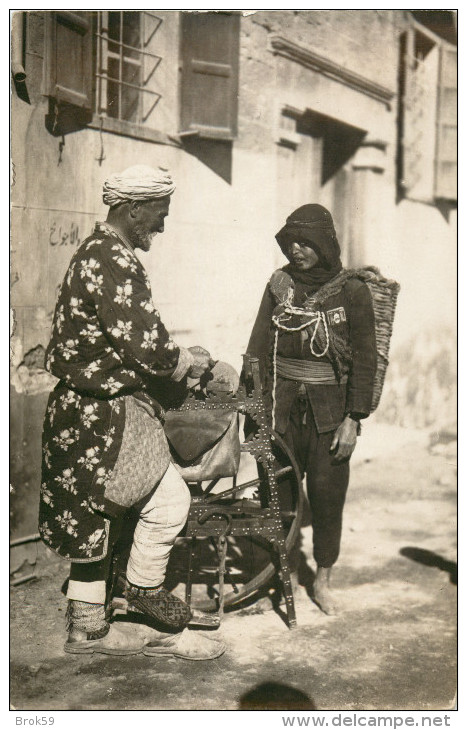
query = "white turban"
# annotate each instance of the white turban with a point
(139, 182)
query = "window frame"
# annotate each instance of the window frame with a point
(101, 69)
(137, 129)
(408, 187)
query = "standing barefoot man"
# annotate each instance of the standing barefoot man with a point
(315, 337)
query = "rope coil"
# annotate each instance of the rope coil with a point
(315, 319)
(383, 293)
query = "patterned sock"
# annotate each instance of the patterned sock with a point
(133, 590)
(87, 617)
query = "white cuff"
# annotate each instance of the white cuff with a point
(185, 361)
(92, 592)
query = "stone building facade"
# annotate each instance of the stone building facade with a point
(254, 114)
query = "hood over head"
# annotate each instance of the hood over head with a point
(312, 224)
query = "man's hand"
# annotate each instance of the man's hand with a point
(202, 362)
(344, 440)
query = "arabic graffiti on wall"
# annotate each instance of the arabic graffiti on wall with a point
(64, 235)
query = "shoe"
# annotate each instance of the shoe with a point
(186, 645)
(160, 604)
(204, 620)
(119, 641)
(199, 619)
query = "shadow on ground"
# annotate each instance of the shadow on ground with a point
(275, 696)
(432, 560)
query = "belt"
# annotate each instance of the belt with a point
(307, 371)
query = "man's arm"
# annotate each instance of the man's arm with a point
(258, 345)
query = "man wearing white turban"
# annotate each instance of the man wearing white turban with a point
(104, 448)
(137, 183)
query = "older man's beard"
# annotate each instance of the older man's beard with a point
(141, 237)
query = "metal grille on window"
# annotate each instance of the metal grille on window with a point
(126, 65)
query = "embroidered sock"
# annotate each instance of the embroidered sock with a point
(148, 591)
(87, 617)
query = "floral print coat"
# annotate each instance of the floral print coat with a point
(108, 341)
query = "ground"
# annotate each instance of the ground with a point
(393, 645)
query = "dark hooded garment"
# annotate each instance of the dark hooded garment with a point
(350, 319)
(313, 226)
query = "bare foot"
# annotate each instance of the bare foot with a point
(322, 596)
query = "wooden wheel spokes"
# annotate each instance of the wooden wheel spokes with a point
(252, 557)
(253, 483)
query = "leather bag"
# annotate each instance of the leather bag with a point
(204, 444)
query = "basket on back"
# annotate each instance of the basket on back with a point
(384, 294)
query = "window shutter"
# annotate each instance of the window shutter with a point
(69, 58)
(209, 89)
(446, 149)
(419, 114)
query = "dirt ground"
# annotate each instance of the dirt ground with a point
(393, 645)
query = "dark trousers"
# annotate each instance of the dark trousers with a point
(98, 569)
(326, 481)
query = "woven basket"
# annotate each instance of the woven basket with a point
(384, 294)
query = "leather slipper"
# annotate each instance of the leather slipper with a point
(186, 645)
(119, 641)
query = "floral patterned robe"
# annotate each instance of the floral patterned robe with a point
(108, 341)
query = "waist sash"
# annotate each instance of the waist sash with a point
(307, 371)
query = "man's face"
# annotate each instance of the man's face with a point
(302, 256)
(149, 221)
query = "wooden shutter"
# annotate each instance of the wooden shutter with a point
(209, 89)
(446, 148)
(429, 117)
(419, 116)
(69, 58)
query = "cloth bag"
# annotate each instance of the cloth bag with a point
(204, 444)
(143, 457)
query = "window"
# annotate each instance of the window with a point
(126, 65)
(446, 142)
(102, 69)
(428, 117)
(125, 72)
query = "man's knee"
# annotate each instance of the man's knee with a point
(175, 493)
(184, 498)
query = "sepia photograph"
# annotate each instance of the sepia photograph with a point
(233, 364)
